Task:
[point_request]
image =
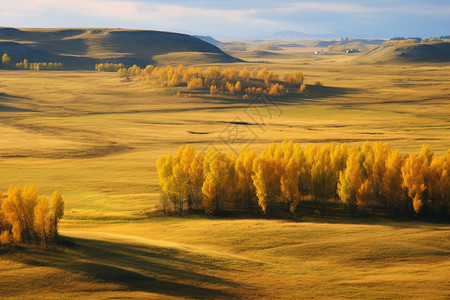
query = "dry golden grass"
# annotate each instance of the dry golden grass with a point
(96, 137)
(203, 258)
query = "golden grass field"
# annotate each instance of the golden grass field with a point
(96, 137)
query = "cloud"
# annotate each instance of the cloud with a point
(328, 7)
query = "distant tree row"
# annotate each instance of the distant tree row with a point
(234, 47)
(37, 66)
(366, 177)
(270, 47)
(230, 81)
(26, 218)
(412, 40)
(6, 62)
(108, 67)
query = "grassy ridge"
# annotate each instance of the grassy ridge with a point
(81, 49)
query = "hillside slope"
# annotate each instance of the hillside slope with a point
(83, 48)
(417, 53)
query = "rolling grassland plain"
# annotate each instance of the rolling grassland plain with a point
(96, 137)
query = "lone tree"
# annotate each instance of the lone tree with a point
(6, 59)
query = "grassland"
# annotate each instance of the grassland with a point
(96, 138)
(204, 258)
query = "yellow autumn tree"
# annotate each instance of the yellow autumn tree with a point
(374, 167)
(277, 90)
(427, 153)
(181, 165)
(213, 90)
(413, 172)
(238, 87)
(438, 184)
(246, 193)
(393, 182)
(6, 59)
(290, 156)
(6, 237)
(218, 171)
(338, 157)
(56, 210)
(324, 169)
(164, 167)
(444, 182)
(266, 178)
(290, 183)
(445, 185)
(209, 194)
(350, 179)
(196, 182)
(244, 74)
(42, 224)
(212, 72)
(195, 83)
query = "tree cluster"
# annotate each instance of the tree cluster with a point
(26, 218)
(343, 48)
(366, 177)
(229, 81)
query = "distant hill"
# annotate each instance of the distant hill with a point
(407, 52)
(83, 48)
(289, 35)
(349, 41)
(290, 45)
(212, 40)
(298, 35)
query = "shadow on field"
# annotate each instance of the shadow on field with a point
(133, 267)
(13, 109)
(320, 91)
(313, 93)
(11, 98)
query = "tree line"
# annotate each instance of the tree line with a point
(37, 66)
(365, 177)
(26, 218)
(229, 81)
(108, 67)
(25, 65)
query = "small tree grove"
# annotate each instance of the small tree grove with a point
(26, 218)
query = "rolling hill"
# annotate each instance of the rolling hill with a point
(437, 52)
(83, 48)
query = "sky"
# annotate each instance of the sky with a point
(235, 19)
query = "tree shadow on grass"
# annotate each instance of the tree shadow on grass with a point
(144, 268)
(313, 94)
(8, 98)
(7, 108)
